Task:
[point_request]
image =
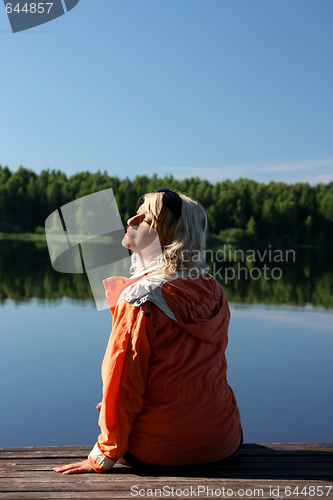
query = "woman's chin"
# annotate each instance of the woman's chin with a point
(126, 243)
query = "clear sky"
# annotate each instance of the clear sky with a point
(219, 89)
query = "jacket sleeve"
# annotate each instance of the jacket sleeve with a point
(124, 374)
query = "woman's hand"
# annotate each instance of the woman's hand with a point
(77, 468)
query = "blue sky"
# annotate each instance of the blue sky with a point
(219, 89)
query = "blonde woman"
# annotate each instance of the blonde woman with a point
(166, 400)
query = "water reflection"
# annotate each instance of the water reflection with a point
(26, 273)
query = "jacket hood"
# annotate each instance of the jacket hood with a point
(198, 305)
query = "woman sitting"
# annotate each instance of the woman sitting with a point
(166, 400)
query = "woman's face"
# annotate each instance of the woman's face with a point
(140, 236)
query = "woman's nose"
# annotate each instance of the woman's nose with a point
(131, 221)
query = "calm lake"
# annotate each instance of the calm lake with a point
(53, 340)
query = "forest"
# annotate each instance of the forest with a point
(241, 212)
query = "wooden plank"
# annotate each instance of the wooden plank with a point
(317, 471)
(86, 448)
(127, 494)
(247, 449)
(289, 446)
(54, 450)
(237, 464)
(38, 449)
(82, 482)
(254, 490)
(48, 452)
(253, 458)
(275, 471)
(321, 456)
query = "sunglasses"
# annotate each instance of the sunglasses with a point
(171, 200)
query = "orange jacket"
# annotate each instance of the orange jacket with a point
(166, 399)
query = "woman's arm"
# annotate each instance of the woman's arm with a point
(124, 373)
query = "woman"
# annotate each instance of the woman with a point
(166, 400)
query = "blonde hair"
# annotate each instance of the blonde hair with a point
(184, 239)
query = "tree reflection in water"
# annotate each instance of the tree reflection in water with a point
(26, 272)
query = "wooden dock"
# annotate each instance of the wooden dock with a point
(275, 471)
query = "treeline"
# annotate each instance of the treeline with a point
(243, 211)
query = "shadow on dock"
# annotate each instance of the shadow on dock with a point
(255, 461)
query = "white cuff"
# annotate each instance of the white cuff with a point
(101, 459)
